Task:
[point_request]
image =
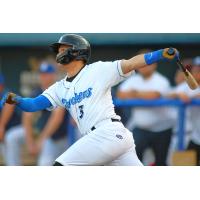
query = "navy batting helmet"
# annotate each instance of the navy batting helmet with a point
(80, 49)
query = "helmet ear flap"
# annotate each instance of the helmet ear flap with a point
(73, 53)
(83, 54)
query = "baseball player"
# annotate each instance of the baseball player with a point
(86, 93)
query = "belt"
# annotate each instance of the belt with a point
(113, 120)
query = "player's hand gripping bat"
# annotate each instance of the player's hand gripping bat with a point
(192, 83)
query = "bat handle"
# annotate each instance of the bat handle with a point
(181, 66)
(171, 51)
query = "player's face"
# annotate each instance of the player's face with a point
(63, 48)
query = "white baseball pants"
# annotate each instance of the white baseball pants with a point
(109, 144)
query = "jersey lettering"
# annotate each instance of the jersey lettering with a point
(81, 111)
(77, 98)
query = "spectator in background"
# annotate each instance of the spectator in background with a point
(184, 93)
(10, 127)
(179, 79)
(51, 126)
(153, 126)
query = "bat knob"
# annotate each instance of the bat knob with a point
(170, 51)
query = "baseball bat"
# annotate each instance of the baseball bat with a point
(192, 83)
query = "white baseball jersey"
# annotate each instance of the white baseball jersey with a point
(88, 99)
(88, 96)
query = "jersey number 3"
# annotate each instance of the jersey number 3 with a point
(81, 111)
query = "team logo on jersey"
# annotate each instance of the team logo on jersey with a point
(77, 98)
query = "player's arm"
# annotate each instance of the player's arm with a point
(27, 104)
(5, 117)
(143, 60)
(53, 123)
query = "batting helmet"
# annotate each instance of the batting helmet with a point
(80, 49)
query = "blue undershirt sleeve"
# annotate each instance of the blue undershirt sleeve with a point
(33, 104)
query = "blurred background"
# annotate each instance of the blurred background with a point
(21, 56)
(21, 52)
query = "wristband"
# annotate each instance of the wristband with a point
(153, 57)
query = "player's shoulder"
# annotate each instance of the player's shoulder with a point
(62, 83)
(58, 85)
(102, 63)
(102, 67)
(93, 65)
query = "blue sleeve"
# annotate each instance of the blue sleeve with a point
(33, 104)
(153, 57)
